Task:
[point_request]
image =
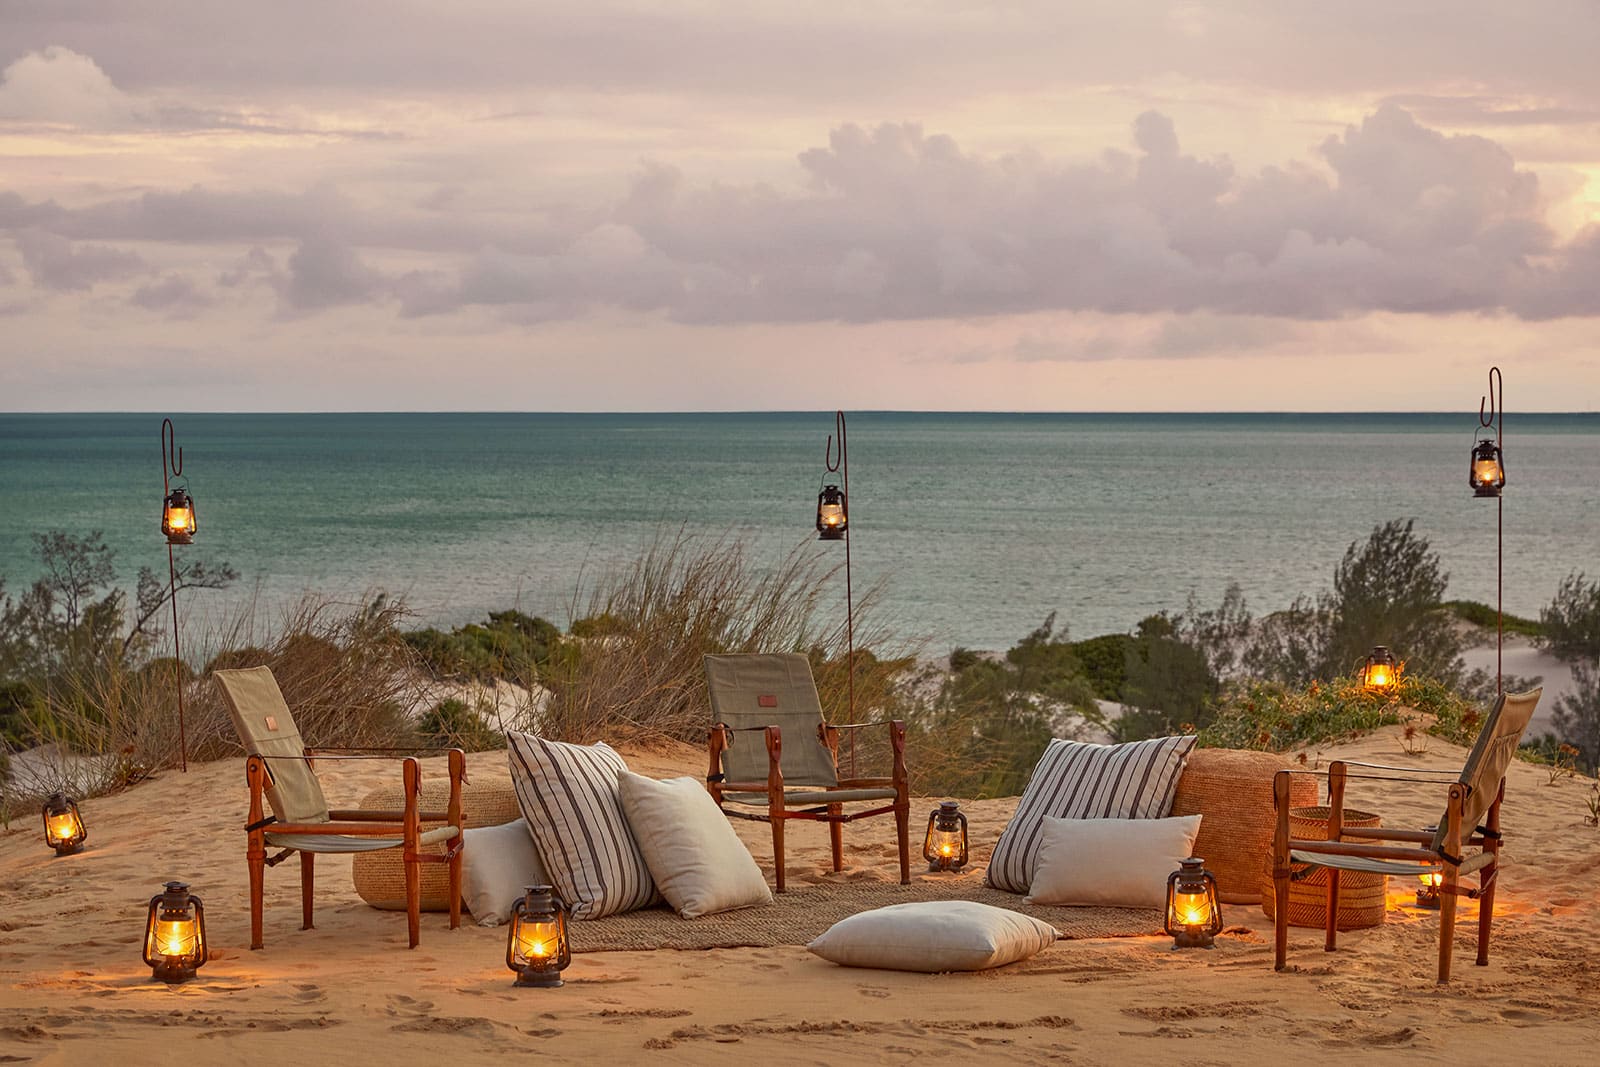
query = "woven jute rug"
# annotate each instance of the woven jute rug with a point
(798, 916)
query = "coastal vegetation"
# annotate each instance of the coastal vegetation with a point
(85, 678)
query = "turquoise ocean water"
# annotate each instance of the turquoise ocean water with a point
(978, 524)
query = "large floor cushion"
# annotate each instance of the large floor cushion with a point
(933, 936)
(1075, 780)
(1233, 790)
(380, 877)
(570, 797)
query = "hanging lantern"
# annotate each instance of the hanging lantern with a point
(1381, 671)
(1488, 473)
(175, 934)
(1194, 917)
(536, 944)
(177, 517)
(832, 517)
(945, 847)
(63, 825)
(1428, 895)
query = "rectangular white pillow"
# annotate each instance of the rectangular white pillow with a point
(933, 936)
(1076, 780)
(568, 794)
(497, 864)
(1120, 863)
(697, 861)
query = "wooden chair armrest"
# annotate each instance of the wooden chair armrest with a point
(396, 816)
(1355, 848)
(744, 787)
(351, 829)
(866, 783)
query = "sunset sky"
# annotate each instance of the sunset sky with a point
(711, 204)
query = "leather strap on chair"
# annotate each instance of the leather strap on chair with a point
(259, 823)
(273, 861)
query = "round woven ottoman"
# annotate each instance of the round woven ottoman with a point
(380, 877)
(1362, 896)
(1232, 789)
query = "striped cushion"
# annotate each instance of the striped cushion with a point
(1074, 780)
(568, 794)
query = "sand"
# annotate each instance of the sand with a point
(72, 988)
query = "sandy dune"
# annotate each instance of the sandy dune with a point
(75, 992)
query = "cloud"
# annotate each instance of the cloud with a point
(58, 85)
(172, 293)
(55, 263)
(893, 223)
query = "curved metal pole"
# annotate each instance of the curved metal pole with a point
(169, 450)
(849, 597)
(1495, 402)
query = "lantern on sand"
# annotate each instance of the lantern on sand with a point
(175, 934)
(1428, 895)
(536, 944)
(63, 825)
(945, 847)
(1380, 671)
(1194, 917)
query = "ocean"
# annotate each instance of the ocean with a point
(977, 525)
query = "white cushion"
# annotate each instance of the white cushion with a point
(568, 794)
(939, 935)
(1074, 780)
(697, 861)
(497, 864)
(1120, 863)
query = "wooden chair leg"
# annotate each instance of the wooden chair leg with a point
(902, 829)
(1280, 871)
(413, 900)
(257, 860)
(455, 887)
(1488, 877)
(411, 777)
(1449, 884)
(1331, 936)
(308, 881)
(777, 850)
(836, 837)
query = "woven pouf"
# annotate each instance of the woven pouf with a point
(1362, 900)
(380, 877)
(1232, 790)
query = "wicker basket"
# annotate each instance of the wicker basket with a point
(1232, 789)
(380, 877)
(1362, 896)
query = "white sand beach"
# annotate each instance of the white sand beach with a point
(73, 990)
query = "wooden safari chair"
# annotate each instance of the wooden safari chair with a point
(793, 772)
(280, 765)
(1475, 795)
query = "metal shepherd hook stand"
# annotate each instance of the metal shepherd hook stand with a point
(172, 463)
(1491, 415)
(830, 530)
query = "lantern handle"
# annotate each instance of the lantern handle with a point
(1494, 403)
(169, 450)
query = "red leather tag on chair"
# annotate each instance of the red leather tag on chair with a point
(766, 700)
(272, 723)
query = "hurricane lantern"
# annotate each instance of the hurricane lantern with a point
(1194, 916)
(1488, 473)
(1428, 895)
(536, 944)
(833, 518)
(175, 934)
(177, 517)
(1381, 671)
(63, 824)
(945, 847)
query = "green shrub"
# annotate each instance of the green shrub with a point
(1280, 718)
(1480, 614)
(1572, 620)
(451, 724)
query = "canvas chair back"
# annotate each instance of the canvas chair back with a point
(266, 728)
(1491, 754)
(757, 690)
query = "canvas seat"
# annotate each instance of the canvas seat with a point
(280, 767)
(1476, 794)
(768, 734)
